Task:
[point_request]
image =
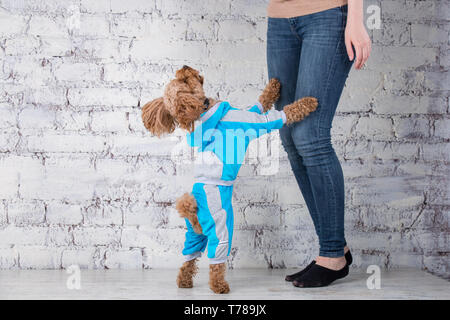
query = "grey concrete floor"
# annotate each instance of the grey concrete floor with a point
(258, 284)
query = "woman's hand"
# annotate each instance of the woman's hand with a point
(356, 34)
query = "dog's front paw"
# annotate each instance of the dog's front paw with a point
(274, 86)
(299, 109)
(271, 94)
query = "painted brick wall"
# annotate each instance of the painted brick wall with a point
(82, 182)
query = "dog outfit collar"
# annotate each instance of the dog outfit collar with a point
(209, 112)
(206, 104)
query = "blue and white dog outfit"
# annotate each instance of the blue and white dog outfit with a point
(222, 136)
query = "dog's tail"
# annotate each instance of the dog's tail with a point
(187, 208)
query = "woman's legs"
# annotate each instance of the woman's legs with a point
(322, 70)
(283, 59)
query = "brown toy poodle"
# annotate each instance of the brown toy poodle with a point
(222, 134)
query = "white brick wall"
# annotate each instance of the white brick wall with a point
(81, 181)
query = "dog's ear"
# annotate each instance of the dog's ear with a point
(185, 73)
(157, 118)
(188, 109)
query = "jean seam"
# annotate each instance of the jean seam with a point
(330, 74)
(336, 227)
(333, 186)
(334, 199)
(295, 33)
(333, 254)
(321, 119)
(333, 194)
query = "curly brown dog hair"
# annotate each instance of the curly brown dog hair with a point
(186, 206)
(270, 94)
(182, 104)
(157, 118)
(299, 109)
(188, 270)
(217, 281)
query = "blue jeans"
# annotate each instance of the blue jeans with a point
(307, 54)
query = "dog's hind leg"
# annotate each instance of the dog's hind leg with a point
(186, 274)
(217, 281)
(187, 208)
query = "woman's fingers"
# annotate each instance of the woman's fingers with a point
(359, 56)
(358, 50)
(366, 53)
(369, 49)
(348, 46)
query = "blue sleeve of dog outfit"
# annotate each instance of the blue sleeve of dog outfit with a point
(258, 108)
(254, 124)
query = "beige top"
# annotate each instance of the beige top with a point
(295, 8)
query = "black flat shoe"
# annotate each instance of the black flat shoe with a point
(292, 277)
(348, 258)
(318, 276)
